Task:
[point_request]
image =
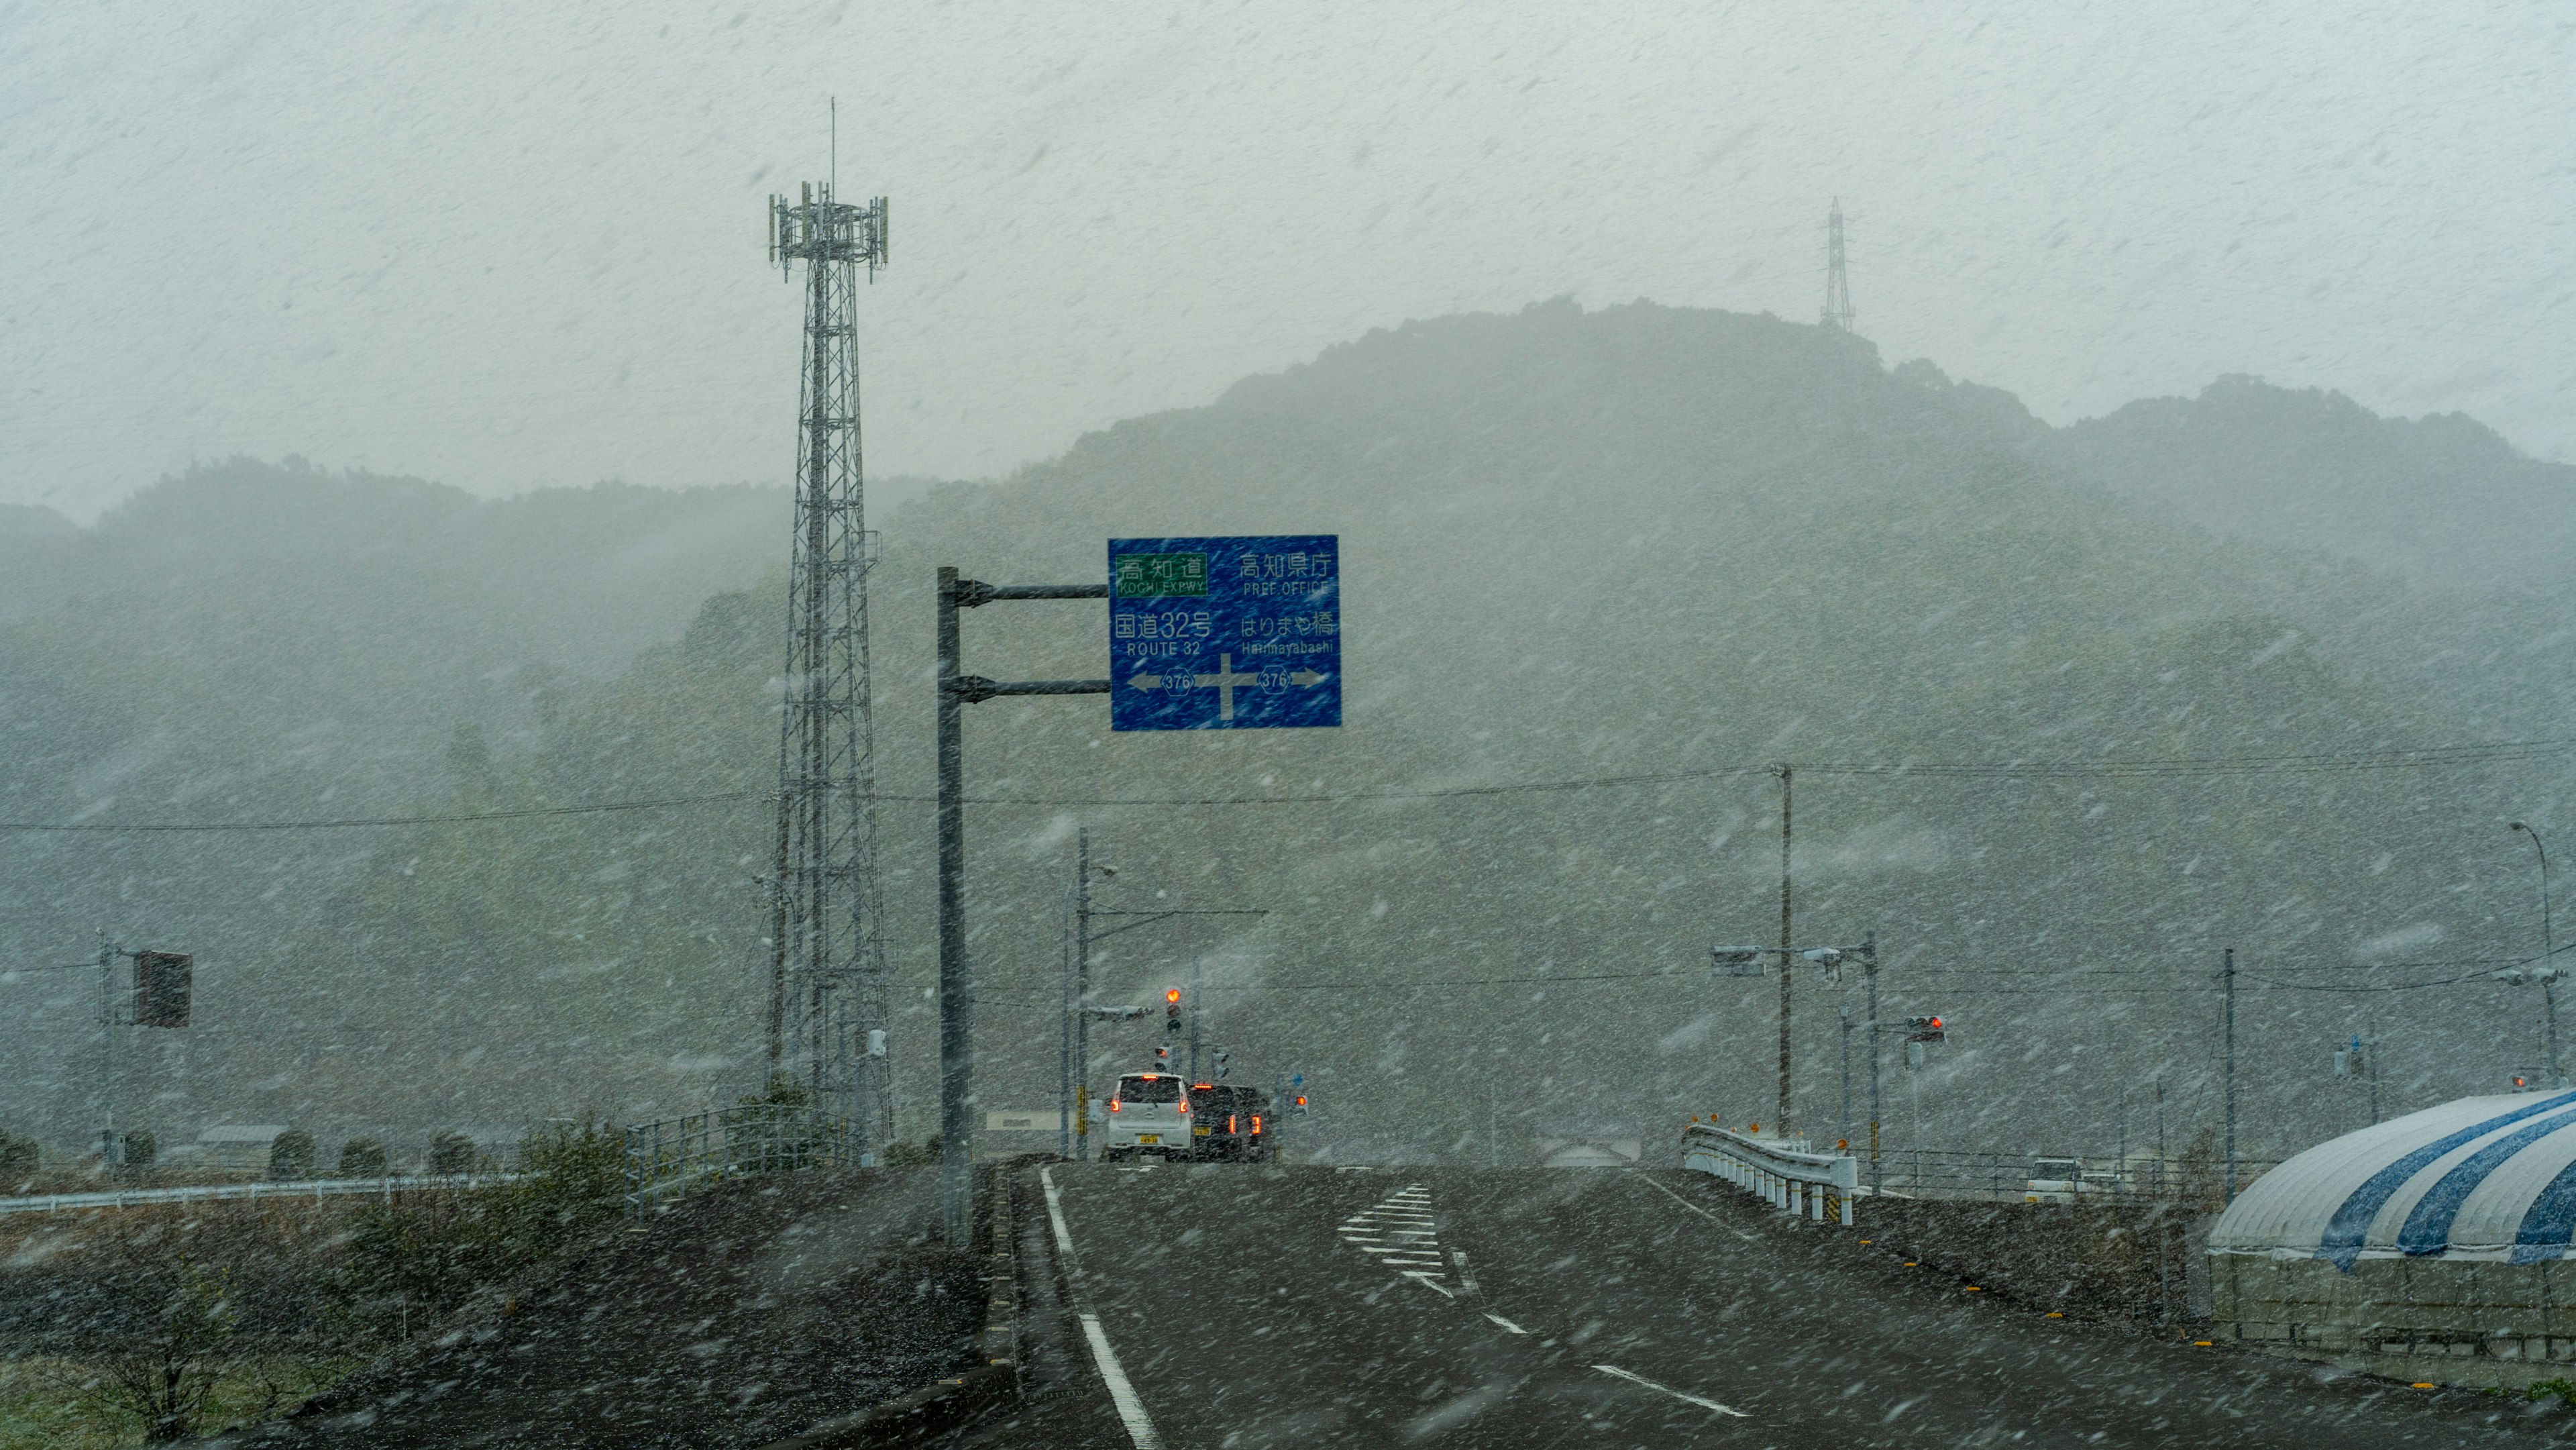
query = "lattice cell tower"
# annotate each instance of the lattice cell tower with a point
(1838, 308)
(827, 952)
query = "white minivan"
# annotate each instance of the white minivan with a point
(1149, 1113)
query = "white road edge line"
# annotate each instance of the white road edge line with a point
(1612, 1369)
(1508, 1326)
(1695, 1208)
(1055, 1212)
(1140, 1427)
(1131, 1410)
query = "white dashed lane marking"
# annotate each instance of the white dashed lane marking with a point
(1695, 1208)
(1398, 1233)
(1638, 1379)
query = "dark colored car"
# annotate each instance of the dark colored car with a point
(1229, 1124)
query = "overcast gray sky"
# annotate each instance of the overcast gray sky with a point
(512, 245)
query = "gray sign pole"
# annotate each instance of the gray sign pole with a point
(957, 690)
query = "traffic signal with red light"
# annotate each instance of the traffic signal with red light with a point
(1172, 1010)
(1928, 1029)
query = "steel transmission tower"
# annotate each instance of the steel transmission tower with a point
(1838, 308)
(827, 952)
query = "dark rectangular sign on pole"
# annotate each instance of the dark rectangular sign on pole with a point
(162, 985)
(1231, 633)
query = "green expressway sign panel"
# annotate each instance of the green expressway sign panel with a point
(1235, 633)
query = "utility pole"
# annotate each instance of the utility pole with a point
(111, 1149)
(1838, 304)
(1782, 1117)
(1082, 987)
(1064, 1042)
(2162, 1162)
(2371, 1071)
(827, 951)
(2228, 974)
(1869, 974)
(1198, 991)
(2548, 957)
(1842, 1016)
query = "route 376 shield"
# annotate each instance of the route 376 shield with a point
(1228, 633)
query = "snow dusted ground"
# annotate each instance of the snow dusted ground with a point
(733, 1318)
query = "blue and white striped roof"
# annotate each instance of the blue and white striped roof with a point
(2480, 1178)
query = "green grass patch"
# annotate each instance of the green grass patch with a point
(56, 1404)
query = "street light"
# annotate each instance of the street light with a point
(1073, 1074)
(2548, 973)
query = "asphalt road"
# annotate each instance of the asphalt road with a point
(1241, 1307)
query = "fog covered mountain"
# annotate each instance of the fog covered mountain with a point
(1580, 547)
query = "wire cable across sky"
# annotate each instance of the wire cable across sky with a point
(2424, 758)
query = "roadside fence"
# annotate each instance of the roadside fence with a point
(315, 1189)
(677, 1154)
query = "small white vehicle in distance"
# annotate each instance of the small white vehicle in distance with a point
(1149, 1112)
(2064, 1180)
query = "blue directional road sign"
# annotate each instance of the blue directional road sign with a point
(1237, 633)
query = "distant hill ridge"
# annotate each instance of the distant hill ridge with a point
(2443, 498)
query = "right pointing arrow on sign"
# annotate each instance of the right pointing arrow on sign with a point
(1307, 678)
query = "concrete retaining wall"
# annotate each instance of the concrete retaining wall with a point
(2449, 1321)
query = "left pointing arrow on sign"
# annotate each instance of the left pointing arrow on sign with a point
(1146, 682)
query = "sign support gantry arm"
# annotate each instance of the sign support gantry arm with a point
(957, 690)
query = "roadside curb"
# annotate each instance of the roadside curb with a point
(945, 1406)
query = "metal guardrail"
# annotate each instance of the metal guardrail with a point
(676, 1154)
(1818, 1186)
(316, 1189)
(1991, 1177)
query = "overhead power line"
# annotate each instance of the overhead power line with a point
(2503, 752)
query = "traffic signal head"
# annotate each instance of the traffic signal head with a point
(1162, 1057)
(1737, 961)
(163, 984)
(1172, 1010)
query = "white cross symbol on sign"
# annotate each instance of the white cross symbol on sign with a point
(1225, 679)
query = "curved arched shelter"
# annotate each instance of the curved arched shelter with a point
(2433, 1246)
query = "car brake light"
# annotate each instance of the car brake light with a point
(1256, 1122)
(1229, 1122)
(1113, 1105)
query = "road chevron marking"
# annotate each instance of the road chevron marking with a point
(1397, 1232)
(1705, 1404)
